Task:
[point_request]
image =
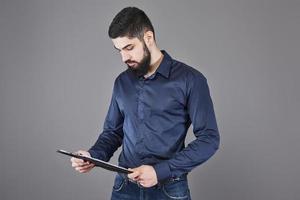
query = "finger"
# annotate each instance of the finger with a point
(131, 170)
(85, 171)
(73, 159)
(134, 175)
(87, 166)
(74, 164)
(79, 169)
(79, 164)
(76, 160)
(145, 184)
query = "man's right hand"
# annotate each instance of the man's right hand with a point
(81, 165)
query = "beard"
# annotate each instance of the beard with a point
(144, 65)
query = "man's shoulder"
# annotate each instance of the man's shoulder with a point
(123, 75)
(182, 69)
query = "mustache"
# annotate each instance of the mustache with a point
(130, 62)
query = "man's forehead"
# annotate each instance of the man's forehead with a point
(121, 42)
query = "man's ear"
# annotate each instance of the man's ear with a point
(149, 38)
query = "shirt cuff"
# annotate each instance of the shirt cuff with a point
(162, 171)
(95, 154)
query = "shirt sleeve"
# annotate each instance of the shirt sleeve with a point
(201, 114)
(112, 135)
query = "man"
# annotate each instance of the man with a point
(153, 104)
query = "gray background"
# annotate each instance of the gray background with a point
(57, 70)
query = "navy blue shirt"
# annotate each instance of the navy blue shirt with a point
(150, 117)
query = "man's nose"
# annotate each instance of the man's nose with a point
(125, 56)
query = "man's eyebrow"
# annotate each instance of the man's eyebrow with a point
(123, 47)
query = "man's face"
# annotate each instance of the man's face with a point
(134, 53)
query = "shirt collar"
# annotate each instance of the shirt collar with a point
(165, 65)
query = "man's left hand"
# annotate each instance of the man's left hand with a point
(145, 175)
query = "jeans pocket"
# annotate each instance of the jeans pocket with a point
(119, 183)
(176, 189)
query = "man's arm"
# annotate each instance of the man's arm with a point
(202, 116)
(112, 136)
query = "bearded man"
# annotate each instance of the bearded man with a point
(154, 102)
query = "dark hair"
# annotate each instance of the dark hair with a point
(130, 22)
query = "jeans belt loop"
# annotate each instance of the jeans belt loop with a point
(172, 179)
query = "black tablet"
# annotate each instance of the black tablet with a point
(97, 162)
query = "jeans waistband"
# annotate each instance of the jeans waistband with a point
(169, 180)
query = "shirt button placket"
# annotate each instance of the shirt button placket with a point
(140, 116)
(140, 104)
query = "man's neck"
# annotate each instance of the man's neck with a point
(156, 58)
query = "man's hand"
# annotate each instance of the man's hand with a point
(145, 175)
(80, 165)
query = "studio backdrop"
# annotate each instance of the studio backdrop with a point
(58, 65)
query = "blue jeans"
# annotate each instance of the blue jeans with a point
(176, 188)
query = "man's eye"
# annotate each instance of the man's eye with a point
(129, 48)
